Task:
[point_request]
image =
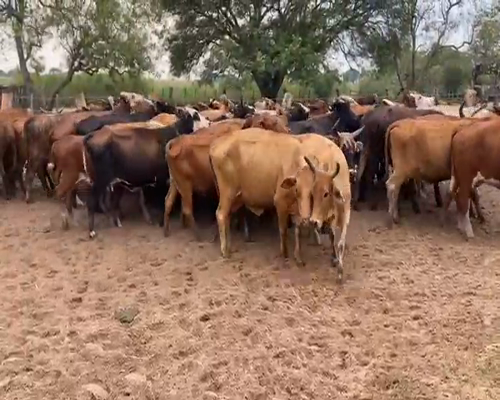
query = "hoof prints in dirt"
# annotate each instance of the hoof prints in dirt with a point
(135, 315)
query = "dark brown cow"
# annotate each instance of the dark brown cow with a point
(319, 107)
(372, 163)
(8, 159)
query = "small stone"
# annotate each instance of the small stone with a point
(97, 391)
(136, 379)
(4, 382)
(205, 317)
(210, 396)
(127, 315)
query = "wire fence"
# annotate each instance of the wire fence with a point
(189, 97)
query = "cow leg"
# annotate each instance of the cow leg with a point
(92, 204)
(371, 171)
(28, 176)
(246, 217)
(437, 196)
(226, 197)
(283, 226)
(66, 190)
(169, 204)
(393, 187)
(359, 178)
(414, 196)
(297, 251)
(5, 178)
(463, 220)
(68, 212)
(144, 208)
(474, 195)
(343, 218)
(452, 194)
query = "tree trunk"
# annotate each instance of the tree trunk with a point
(65, 82)
(23, 67)
(269, 83)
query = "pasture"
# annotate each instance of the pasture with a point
(135, 315)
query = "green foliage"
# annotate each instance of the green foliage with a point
(269, 38)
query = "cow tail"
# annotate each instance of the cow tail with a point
(387, 152)
(215, 176)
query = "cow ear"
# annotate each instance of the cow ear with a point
(289, 182)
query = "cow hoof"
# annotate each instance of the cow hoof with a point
(340, 276)
(92, 234)
(335, 262)
(299, 262)
(65, 223)
(119, 223)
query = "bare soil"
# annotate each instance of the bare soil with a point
(135, 315)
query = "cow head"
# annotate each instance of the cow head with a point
(242, 110)
(324, 192)
(163, 107)
(298, 112)
(199, 121)
(185, 124)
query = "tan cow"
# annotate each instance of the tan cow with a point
(474, 150)
(261, 170)
(214, 115)
(419, 149)
(331, 191)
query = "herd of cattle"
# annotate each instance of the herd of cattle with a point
(300, 159)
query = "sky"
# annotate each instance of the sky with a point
(53, 56)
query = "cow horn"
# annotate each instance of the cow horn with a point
(335, 124)
(355, 134)
(60, 110)
(44, 111)
(311, 165)
(336, 172)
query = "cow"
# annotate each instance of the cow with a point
(367, 100)
(419, 149)
(250, 169)
(318, 107)
(67, 167)
(8, 156)
(189, 168)
(16, 118)
(474, 150)
(375, 124)
(321, 124)
(95, 122)
(199, 121)
(37, 133)
(330, 190)
(223, 108)
(129, 159)
(264, 121)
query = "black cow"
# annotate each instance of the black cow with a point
(132, 160)
(322, 124)
(94, 123)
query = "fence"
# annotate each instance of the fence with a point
(186, 96)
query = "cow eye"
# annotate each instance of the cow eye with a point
(326, 195)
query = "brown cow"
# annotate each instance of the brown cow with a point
(266, 121)
(319, 107)
(331, 191)
(189, 168)
(66, 163)
(474, 149)
(214, 114)
(419, 149)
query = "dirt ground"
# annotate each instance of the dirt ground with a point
(418, 316)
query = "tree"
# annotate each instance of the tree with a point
(485, 49)
(104, 35)
(27, 30)
(269, 38)
(411, 37)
